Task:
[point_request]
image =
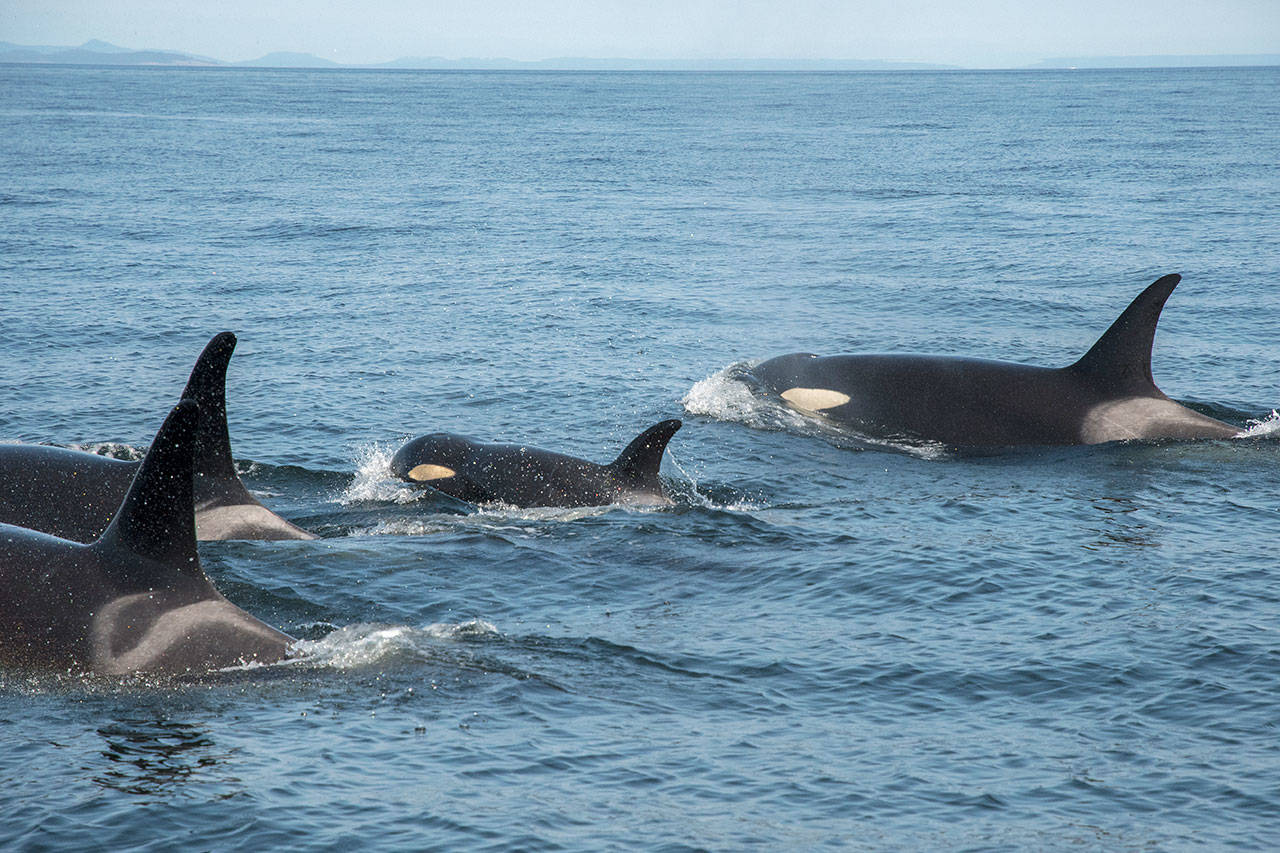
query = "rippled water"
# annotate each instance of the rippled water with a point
(824, 642)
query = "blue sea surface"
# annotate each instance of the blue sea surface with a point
(825, 642)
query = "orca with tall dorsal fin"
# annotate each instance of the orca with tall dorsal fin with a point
(1108, 395)
(136, 599)
(523, 476)
(73, 494)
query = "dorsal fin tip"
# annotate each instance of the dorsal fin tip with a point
(215, 470)
(207, 383)
(642, 458)
(1120, 360)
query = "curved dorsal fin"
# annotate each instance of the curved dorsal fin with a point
(156, 520)
(215, 472)
(642, 458)
(1120, 361)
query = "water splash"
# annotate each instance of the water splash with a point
(685, 492)
(373, 480)
(1268, 427)
(112, 449)
(726, 395)
(363, 645)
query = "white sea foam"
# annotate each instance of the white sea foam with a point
(500, 513)
(1264, 428)
(364, 645)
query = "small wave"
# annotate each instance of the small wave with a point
(1267, 427)
(362, 645)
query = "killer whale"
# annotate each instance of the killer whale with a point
(136, 599)
(73, 494)
(522, 476)
(1107, 395)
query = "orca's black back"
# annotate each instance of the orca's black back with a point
(66, 493)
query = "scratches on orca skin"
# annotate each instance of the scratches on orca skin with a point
(814, 399)
(425, 473)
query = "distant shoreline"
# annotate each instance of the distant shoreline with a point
(557, 69)
(98, 53)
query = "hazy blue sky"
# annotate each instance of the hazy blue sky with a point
(974, 33)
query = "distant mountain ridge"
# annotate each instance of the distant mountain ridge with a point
(576, 63)
(96, 52)
(104, 53)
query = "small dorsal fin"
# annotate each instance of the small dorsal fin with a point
(1120, 361)
(215, 472)
(156, 520)
(642, 458)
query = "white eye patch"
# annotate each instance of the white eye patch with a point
(814, 399)
(423, 473)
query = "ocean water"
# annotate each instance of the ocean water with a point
(824, 642)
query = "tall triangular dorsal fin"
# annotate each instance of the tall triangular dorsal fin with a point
(1120, 361)
(642, 458)
(216, 481)
(156, 520)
